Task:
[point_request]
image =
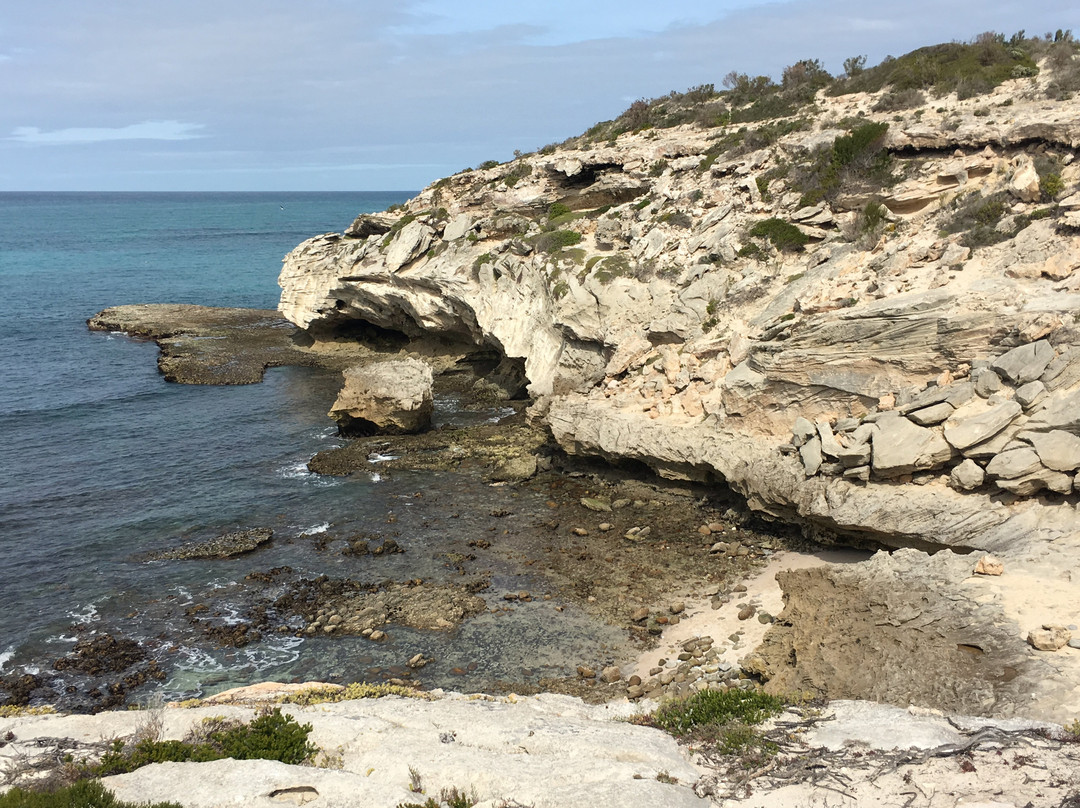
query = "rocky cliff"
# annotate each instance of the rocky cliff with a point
(682, 296)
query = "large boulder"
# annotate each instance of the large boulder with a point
(901, 447)
(392, 397)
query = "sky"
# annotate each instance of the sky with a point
(367, 95)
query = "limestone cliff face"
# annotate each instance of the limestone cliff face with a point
(678, 296)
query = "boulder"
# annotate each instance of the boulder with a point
(1064, 371)
(412, 240)
(802, 431)
(1058, 450)
(392, 397)
(967, 476)
(1035, 482)
(935, 414)
(1024, 184)
(457, 227)
(1030, 394)
(987, 382)
(853, 456)
(1049, 638)
(829, 445)
(964, 430)
(901, 447)
(1025, 363)
(953, 394)
(1059, 413)
(989, 565)
(1012, 464)
(810, 453)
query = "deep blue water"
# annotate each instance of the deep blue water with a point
(101, 460)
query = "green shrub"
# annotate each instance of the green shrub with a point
(556, 240)
(557, 209)
(749, 250)
(968, 69)
(448, 798)
(716, 707)
(977, 217)
(783, 235)
(658, 168)
(1051, 185)
(857, 158)
(487, 164)
(901, 99)
(271, 736)
(517, 173)
(83, 794)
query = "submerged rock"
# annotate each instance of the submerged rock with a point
(225, 546)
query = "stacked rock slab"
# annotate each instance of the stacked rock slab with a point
(1004, 426)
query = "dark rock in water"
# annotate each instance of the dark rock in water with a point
(21, 689)
(225, 546)
(102, 654)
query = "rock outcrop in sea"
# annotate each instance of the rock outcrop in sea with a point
(859, 313)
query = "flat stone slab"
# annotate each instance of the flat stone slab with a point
(1057, 449)
(1025, 363)
(963, 432)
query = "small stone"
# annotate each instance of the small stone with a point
(611, 674)
(604, 527)
(1030, 394)
(367, 632)
(634, 680)
(598, 505)
(635, 692)
(746, 612)
(989, 565)
(739, 588)
(417, 661)
(677, 608)
(377, 635)
(580, 531)
(716, 527)
(510, 596)
(585, 672)
(1049, 638)
(639, 614)
(685, 656)
(765, 618)
(719, 547)
(1074, 643)
(967, 476)
(987, 382)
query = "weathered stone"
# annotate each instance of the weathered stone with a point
(967, 476)
(802, 431)
(861, 473)
(1002, 441)
(989, 565)
(1030, 394)
(392, 396)
(901, 447)
(410, 242)
(810, 453)
(852, 456)
(954, 394)
(1012, 464)
(1024, 184)
(1025, 363)
(964, 430)
(1057, 449)
(987, 382)
(932, 415)
(1049, 638)
(830, 447)
(639, 614)
(1064, 371)
(611, 674)
(1059, 413)
(598, 505)
(1036, 481)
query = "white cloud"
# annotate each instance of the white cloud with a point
(148, 130)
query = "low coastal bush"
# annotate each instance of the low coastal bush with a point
(270, 736)
(978, 217)
(783, 235)
(448, 798)
(855, 160)
(724, 719)
(84, 794)
(556, 240)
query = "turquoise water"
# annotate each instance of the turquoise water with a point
(103, 461)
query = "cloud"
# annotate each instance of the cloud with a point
(148, 130)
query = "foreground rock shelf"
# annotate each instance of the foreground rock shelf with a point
(554, 750)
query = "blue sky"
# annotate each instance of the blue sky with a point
(365, 95)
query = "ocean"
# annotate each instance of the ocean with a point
(103, 461)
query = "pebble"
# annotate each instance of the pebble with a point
(739, 588)
(586, 672)
(580, 531)
(655, 671)
(1074, 643)
(746, 612)
(604, 527)
(377, 635)
(611, 674)
(634, 680)
(716, 527)
(524, 595)
(704, 530)
(639, 614)
(677, 608)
